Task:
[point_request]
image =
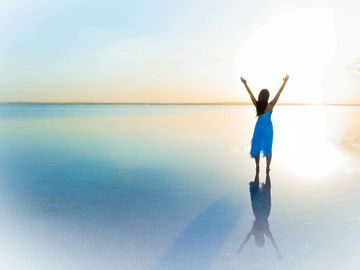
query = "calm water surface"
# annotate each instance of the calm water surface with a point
(167, 187)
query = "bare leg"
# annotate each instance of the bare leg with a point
(268, 181)
(257, 160)
(268, 161)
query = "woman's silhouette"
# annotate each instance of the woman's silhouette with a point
(261, 206)
(263, 133)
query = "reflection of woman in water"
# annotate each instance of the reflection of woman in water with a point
(263, 133)
(261, 206)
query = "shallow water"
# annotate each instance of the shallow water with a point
(167, 187)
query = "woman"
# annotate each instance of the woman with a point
(263, 133)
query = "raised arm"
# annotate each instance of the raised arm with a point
(245, 241)
(253, 99)
(269, 234)
(273, 102)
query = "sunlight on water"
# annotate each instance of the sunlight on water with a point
(306, 146)
(167, 187)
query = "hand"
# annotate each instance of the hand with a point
(243, 80)
(286, 78)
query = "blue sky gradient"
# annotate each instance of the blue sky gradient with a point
(179, 51)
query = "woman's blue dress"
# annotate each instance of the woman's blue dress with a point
(262, 139)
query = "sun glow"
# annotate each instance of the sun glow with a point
(300, 43)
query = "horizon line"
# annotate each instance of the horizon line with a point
(171, 103)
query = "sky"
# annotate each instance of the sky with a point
(178, 51)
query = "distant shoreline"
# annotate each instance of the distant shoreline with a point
(171, 103)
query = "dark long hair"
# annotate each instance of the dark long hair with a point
(262, 101)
